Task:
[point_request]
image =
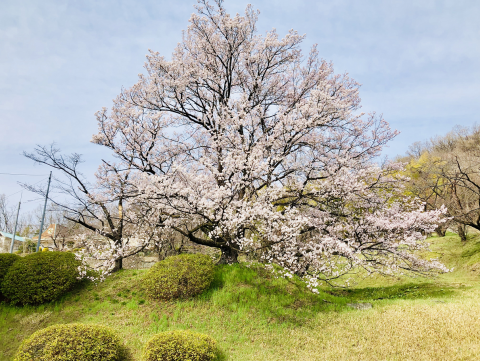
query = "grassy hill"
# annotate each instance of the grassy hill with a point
(255, 316)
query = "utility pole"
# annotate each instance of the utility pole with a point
(44, 209)
(15, 228)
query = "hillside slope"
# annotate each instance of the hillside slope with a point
(255, 316)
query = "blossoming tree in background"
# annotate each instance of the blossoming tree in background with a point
(243, 143)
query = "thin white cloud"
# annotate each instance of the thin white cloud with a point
(60, 61)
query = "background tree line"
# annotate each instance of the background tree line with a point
(445, 170)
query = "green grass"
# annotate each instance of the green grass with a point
(255, 316)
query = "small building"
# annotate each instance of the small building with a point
(6, 241)
(57, 236)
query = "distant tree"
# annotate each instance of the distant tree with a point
(7, 214)
(462, 174)
(446, 172)
(426, 183)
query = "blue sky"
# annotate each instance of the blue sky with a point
(61, 61)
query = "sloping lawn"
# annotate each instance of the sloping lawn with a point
(255, 316)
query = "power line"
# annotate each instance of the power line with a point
(33, 175)
(23, 190)
(33, 200)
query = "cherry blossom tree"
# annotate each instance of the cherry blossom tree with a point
(112, 229)
(243, 143)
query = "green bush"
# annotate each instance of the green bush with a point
(180, 346)
(73, 342)
(179, 276)
(6, 261)
(30, 246)
(40, 277)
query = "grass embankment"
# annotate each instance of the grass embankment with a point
(256, 317)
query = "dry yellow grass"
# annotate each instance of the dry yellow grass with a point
(407, 330)
(404, 331)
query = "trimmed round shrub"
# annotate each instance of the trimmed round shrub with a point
(73, 342)
(180, 346)
(179, 276)
(40, 277)
(6, 261)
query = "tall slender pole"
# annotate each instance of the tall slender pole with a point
(43, 215)
(15, 228)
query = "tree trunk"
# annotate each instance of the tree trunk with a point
(441, 230)
(462, 232)
(229, 255)
(118, 264)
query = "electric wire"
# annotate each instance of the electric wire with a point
(23, 190)
(33, 175)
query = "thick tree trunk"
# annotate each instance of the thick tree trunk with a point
(118, 265)
(229, 255)
(441, 231)
(462, 232)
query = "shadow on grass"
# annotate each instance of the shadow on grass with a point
(257, 293)
(221, 355)
(411, 291)
(472, 249)
(76, 290)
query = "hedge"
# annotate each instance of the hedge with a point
(6, 261)
(72, 342)
(179, 276)
(180, 346)
(40, 277)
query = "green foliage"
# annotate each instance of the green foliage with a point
(73, 342)
(40, 277)
(180, 346)
(30, 246)
(6, 261)
(179, 276)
